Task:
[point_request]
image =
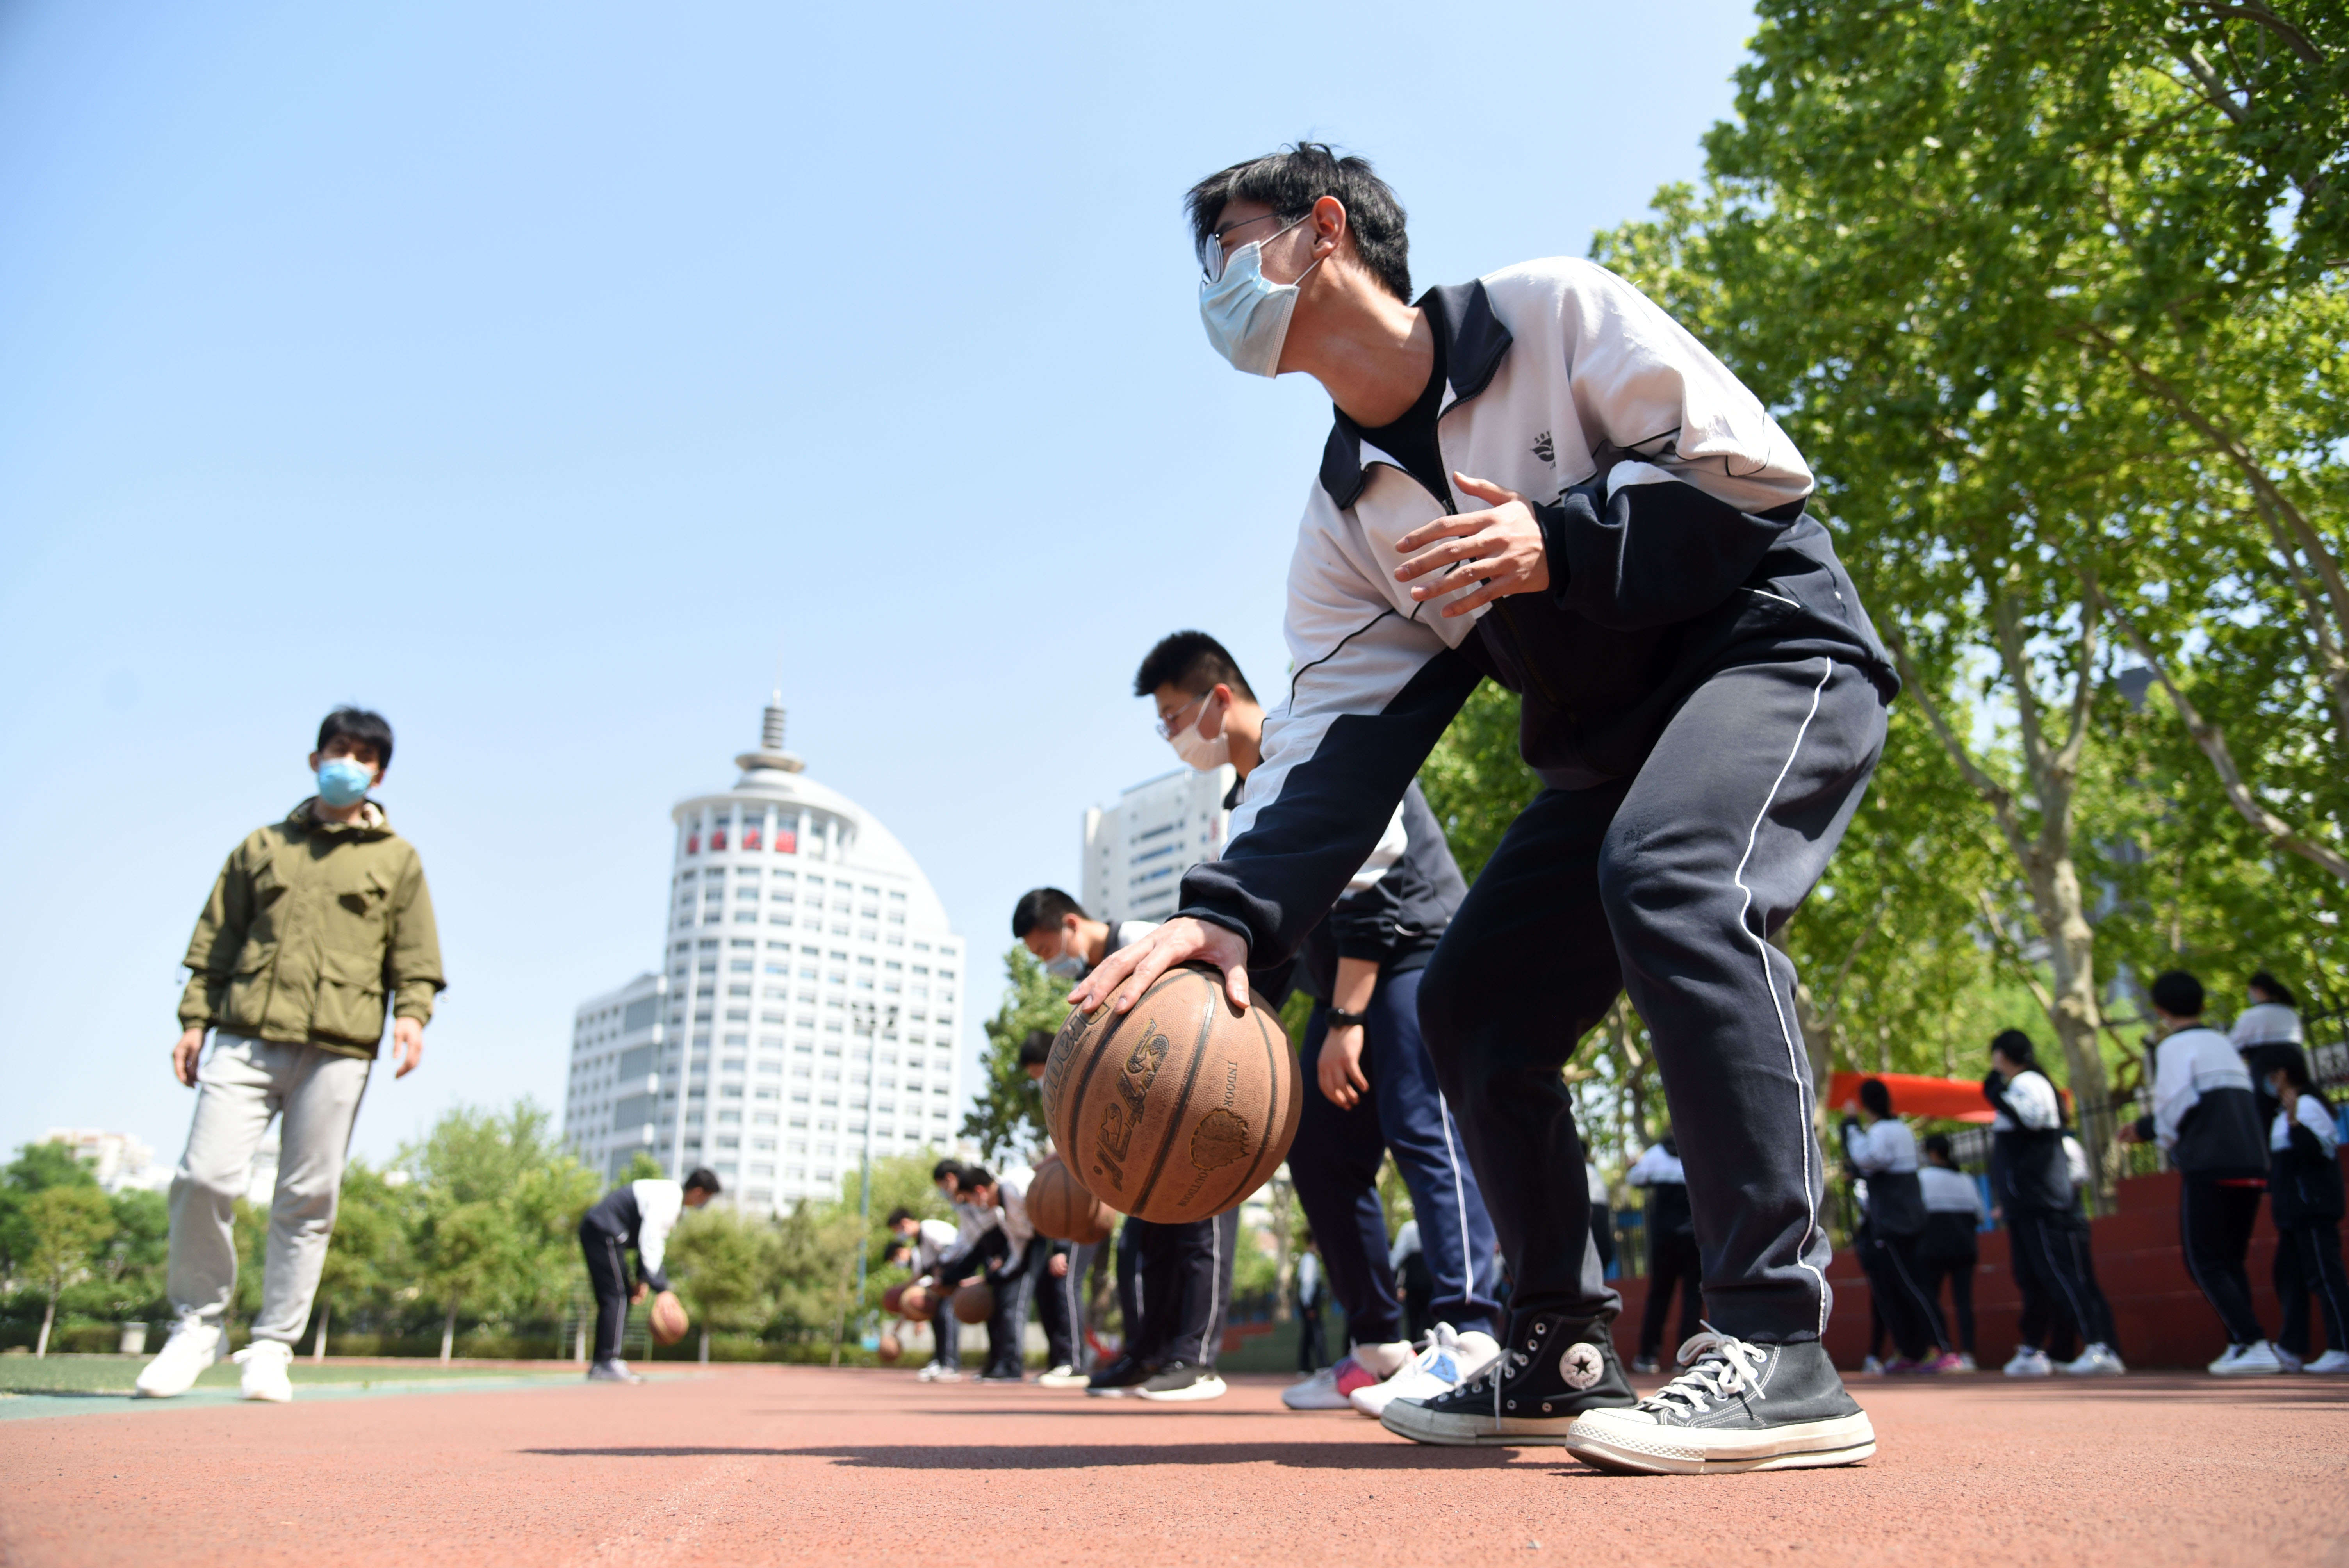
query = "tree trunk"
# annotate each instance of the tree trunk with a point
(705, 1344)
(318, 1341)
(448, 1331)
(48, 1316)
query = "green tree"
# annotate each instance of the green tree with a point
(368, 1250)
(497, 1203)
(726, 1265)
(1476, 780)
(67, 1225)
(1009, 1118)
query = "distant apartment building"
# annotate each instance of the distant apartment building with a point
(1137, 851)
(812, 971)
(118, 1160)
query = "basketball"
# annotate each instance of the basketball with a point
(917, 1303)
(666, 1321)
(890, 1299)
(1059, 1207)
(974, 1303)
(1179, 1109)
(890, 1348)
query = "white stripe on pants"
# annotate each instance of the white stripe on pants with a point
(243, 1084)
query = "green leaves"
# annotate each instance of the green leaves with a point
(1009, 1118)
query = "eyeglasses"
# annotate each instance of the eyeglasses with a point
(1212, 253)
(1174, 723)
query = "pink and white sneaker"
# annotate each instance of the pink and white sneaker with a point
(1331, 1388)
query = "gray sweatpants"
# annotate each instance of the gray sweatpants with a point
(244, 1083)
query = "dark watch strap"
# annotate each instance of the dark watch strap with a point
(1339, 1018)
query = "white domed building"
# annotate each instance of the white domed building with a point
(810, 967)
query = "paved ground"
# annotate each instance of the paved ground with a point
(788, 1464)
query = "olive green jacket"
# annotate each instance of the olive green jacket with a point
(309, 927)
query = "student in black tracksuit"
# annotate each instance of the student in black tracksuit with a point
(636, 1218)
(1541, 479)
(2207, 1122)
(1948, 1250)
(1884, 1152)
(2032, 1184)
(2304, 1191)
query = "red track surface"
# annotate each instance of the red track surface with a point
(772, 1465)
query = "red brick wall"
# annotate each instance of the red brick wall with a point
(2161, 1318)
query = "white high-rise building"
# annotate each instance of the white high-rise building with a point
(812, 970)
(1137, 851)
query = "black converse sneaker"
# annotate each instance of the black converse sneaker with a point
(1553, 1370)
(1734, 1407)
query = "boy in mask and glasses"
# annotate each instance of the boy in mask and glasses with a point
(1539, 477)
(316, 927)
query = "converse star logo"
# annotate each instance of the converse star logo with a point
(1580, 1366)
(1545, 449)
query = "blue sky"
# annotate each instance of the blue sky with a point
(546, 375)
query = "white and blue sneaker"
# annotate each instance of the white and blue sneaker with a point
(1448, 1360)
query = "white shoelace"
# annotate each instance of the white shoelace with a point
(1718, 1368)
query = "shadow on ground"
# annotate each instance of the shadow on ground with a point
(1084, 1456)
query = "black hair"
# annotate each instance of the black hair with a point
(2015, 1047)
(705, 1178)
(360, 727)
(2274, 989)
(1035, 1049)
(1192, 662)
(945, 1168)
(2293, 1065)
(1937, 1144)
(1042, 906)
(2178, 993)
(898, 1216)
(976, 1176)
(898, 1247)
(1876, 1097)
(1290, 180)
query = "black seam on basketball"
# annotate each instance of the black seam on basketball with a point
(1077, 1101)
(1183, 1103)
(1272, 1113)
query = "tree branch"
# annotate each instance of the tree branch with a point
(1999, 797)
(2084, 689)
(2013, 955)
(2254, 12)
(2213, 742)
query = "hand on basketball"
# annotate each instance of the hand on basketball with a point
(638, 1294)
(1126, 974)
(1340, 1069)
(1499, 549)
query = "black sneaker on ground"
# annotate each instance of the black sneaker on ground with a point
(1734, 1407)
(1553, 1370)
(1002, 1375)
(1179, 1382)
(1119, 1379)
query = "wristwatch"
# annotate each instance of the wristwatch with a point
(1342, 1019)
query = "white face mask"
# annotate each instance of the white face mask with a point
(1068, 966)
(1196, 749)
(1246, 316)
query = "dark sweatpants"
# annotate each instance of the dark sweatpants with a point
(607, 1276)
(1666, 884)
(1335, 1164)
(1959, 1272)
(2215, 1220)
(1894, 1277)
(1007, 1326)
(2052, 1247)
(2308, 1260)
(1671, 1261)
(1186, 1289)
(1060, 1304)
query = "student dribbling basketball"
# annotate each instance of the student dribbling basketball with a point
(1540, 477)
(638, 1217)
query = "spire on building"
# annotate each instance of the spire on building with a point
(771, 754)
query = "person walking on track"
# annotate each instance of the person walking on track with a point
(317, 926)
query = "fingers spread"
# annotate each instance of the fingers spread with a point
(1441, 528)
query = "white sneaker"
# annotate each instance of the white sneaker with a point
(2285, 1358)
(2257, 1359)
(1965, 1362)
(1872, 1365)
(264, 1362)
(2029, 1363)
(1449, 1360)
(2096, 1361)
(2331, 1364)
(1063, 1377)
(194, 1345)
(1329, 1388)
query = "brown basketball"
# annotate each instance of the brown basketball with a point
(917, 1304)
(1179, 1109)
(1059, 1207)
(666, 1321)
(974, 1303)
(891, 1300)
(890, 1348)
